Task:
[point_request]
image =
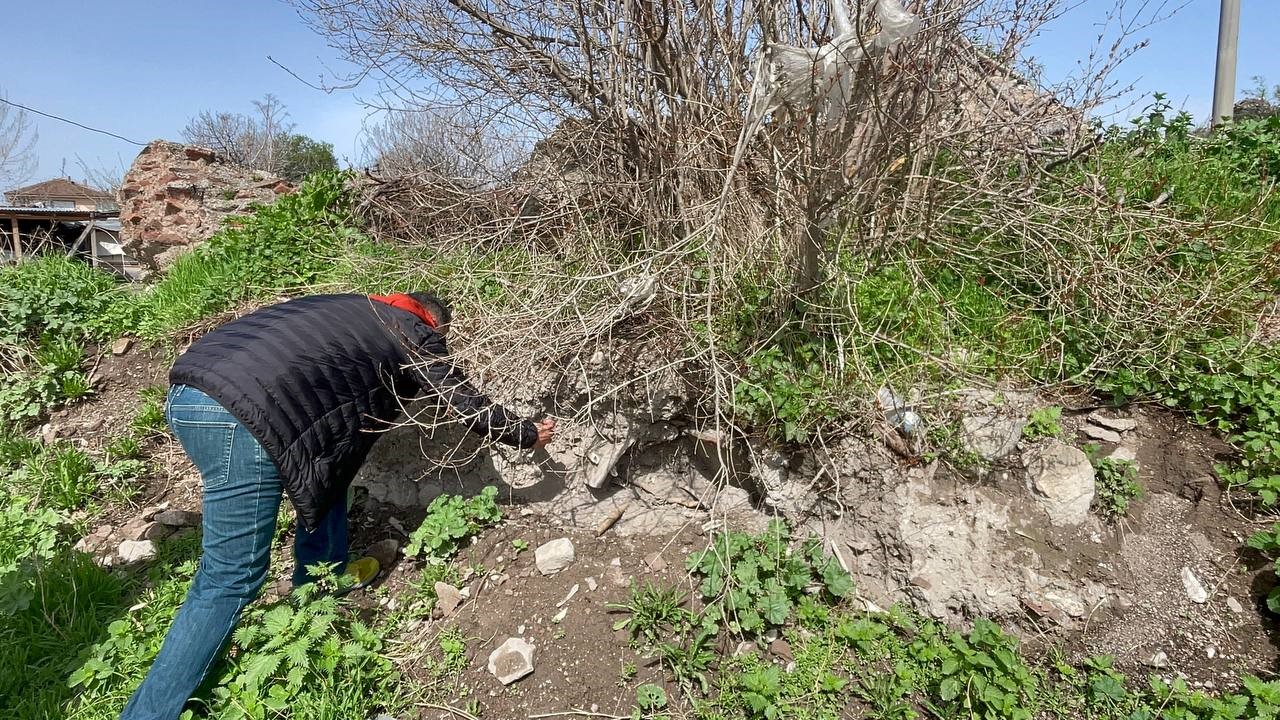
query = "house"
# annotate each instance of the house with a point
(61, 194)
(64, 217)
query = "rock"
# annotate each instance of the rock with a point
(991, 437)
(1124, 454)
(385, 552)
(448, 598)
(142, 529)
(744, 648)
(178, 518)
(1211, 651)
(1061, 479)
(1118, 424)
(512, 660)
(1234, 605)
(136, 551)
(1192, 585)
(1101, 434)
(656, 562)
(1068, 603)
(554, 556)
(49, 433)
(781, 648)
(1158, 660)
(97, 540)
(121, 346)
(560, 616)
(591, 584)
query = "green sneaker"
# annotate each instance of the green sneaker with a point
(362, 571)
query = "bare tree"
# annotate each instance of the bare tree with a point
(18, 138)
(449, 145)
(254, 141)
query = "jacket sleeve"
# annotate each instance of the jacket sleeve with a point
(474, 408)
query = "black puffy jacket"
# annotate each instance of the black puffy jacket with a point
(315, 379)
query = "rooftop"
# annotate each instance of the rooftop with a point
(60, 188)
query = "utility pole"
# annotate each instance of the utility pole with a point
(1224, 81)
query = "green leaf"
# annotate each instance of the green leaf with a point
(949, 689)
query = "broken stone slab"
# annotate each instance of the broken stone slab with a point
(448, 598)
(603, 459)
(121, 346)
(554, 556)
(1117, 424)
(1061, 479)
(1101, 434)
(136, 551)
(1195, 590)
(1159, 659)
(178, 518)
(512, 660)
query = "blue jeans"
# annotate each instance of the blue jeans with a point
(242, 493)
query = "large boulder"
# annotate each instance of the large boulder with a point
(176, 196)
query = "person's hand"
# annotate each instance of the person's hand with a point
(546, 431)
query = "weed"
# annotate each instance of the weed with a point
(149, 420)
(627, 673)
(1268, 541)
(650, 699)
(452, 520)
(1043, 422)
(63, 477)
(654, 613)
(758, 579)
(1116, 486)
(519, 545)
(453, 650)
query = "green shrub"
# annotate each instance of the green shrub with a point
(55, 295)
(452, 520)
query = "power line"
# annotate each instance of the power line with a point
(72, 122)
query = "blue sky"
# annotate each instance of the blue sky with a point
(142, 69)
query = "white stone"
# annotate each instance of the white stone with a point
(552, 557)
(1117, 424)
(1124, 454)
(1102, 434)
(1192, 585)
(1158, 660)
(1061, 479)
(592, 584)
(560, 616)
(512, 660)
(572, 591)
(136, 551)
(1234, 605)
